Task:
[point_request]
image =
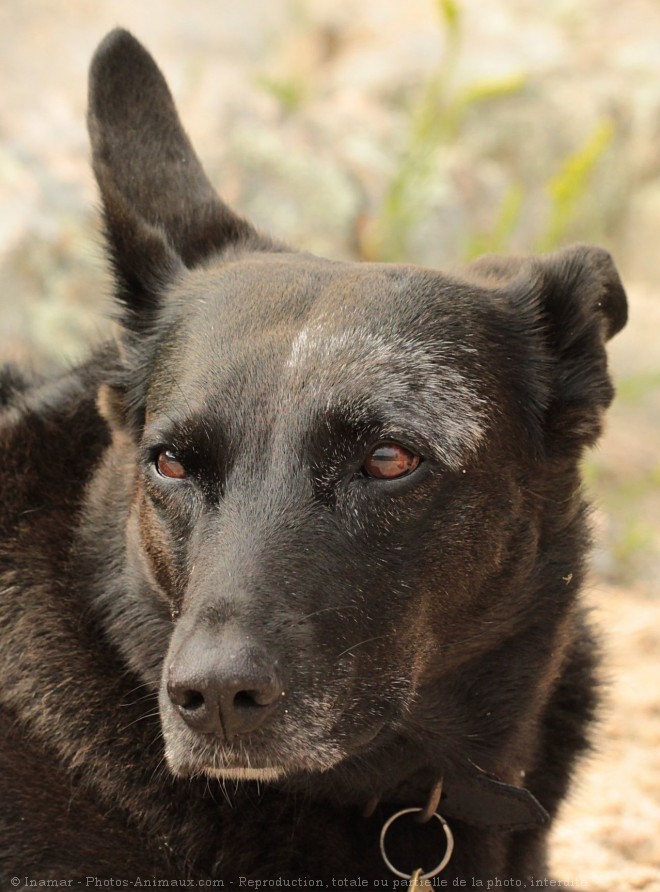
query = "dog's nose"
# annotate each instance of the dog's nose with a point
(223, 687)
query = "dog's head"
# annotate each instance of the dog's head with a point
(343, 475)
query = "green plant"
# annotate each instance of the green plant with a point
(568, 188)
(499, 236)
(434, 120)
(635, 539)
(291, 92)
(636, 388)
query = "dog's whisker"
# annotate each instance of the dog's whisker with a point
(337, 608)
(127, 704)
(142, 718)
(354, 647)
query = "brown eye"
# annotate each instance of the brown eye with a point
(168, 466)
(388, 461)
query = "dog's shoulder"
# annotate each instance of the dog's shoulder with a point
(60, 837)
(51, 437)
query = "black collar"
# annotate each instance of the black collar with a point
(481, 801)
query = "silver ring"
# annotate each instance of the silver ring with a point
(445, 859)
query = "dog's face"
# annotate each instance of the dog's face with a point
(315, 499)
(338, 469)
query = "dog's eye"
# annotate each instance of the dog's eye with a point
(168, 465)
(388, 461)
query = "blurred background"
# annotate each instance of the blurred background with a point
(424, 130)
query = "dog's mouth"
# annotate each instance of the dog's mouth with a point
(271, 773)
(273, 760)
(278, 756)
(257, 770)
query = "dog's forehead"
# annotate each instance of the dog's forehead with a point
(287, 335)
(306, 317)
(315, 308)
(265, 289)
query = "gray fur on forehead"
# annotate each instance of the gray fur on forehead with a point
(404, 377)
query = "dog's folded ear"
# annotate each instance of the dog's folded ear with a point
(160, 211)
(569, 303)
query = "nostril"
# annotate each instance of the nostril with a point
(192, 700)
(186, 698)
(254, 699)
(245, 700)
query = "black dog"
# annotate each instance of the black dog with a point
(302, 551)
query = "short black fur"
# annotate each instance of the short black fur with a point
(211, 675)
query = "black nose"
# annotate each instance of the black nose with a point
(226, 686)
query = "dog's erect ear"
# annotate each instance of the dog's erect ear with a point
(161, 212)
(573, 300)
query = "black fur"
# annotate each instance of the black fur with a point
(420, 627)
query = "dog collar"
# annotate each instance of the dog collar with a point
(480, 801)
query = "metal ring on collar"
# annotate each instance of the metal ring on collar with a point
(445, 859)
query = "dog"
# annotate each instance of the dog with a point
(290, 574)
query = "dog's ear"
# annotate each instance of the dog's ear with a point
(160, 211)
(569, 303)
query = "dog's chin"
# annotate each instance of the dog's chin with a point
(250, 774)
(216, 766)
(268, 764)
